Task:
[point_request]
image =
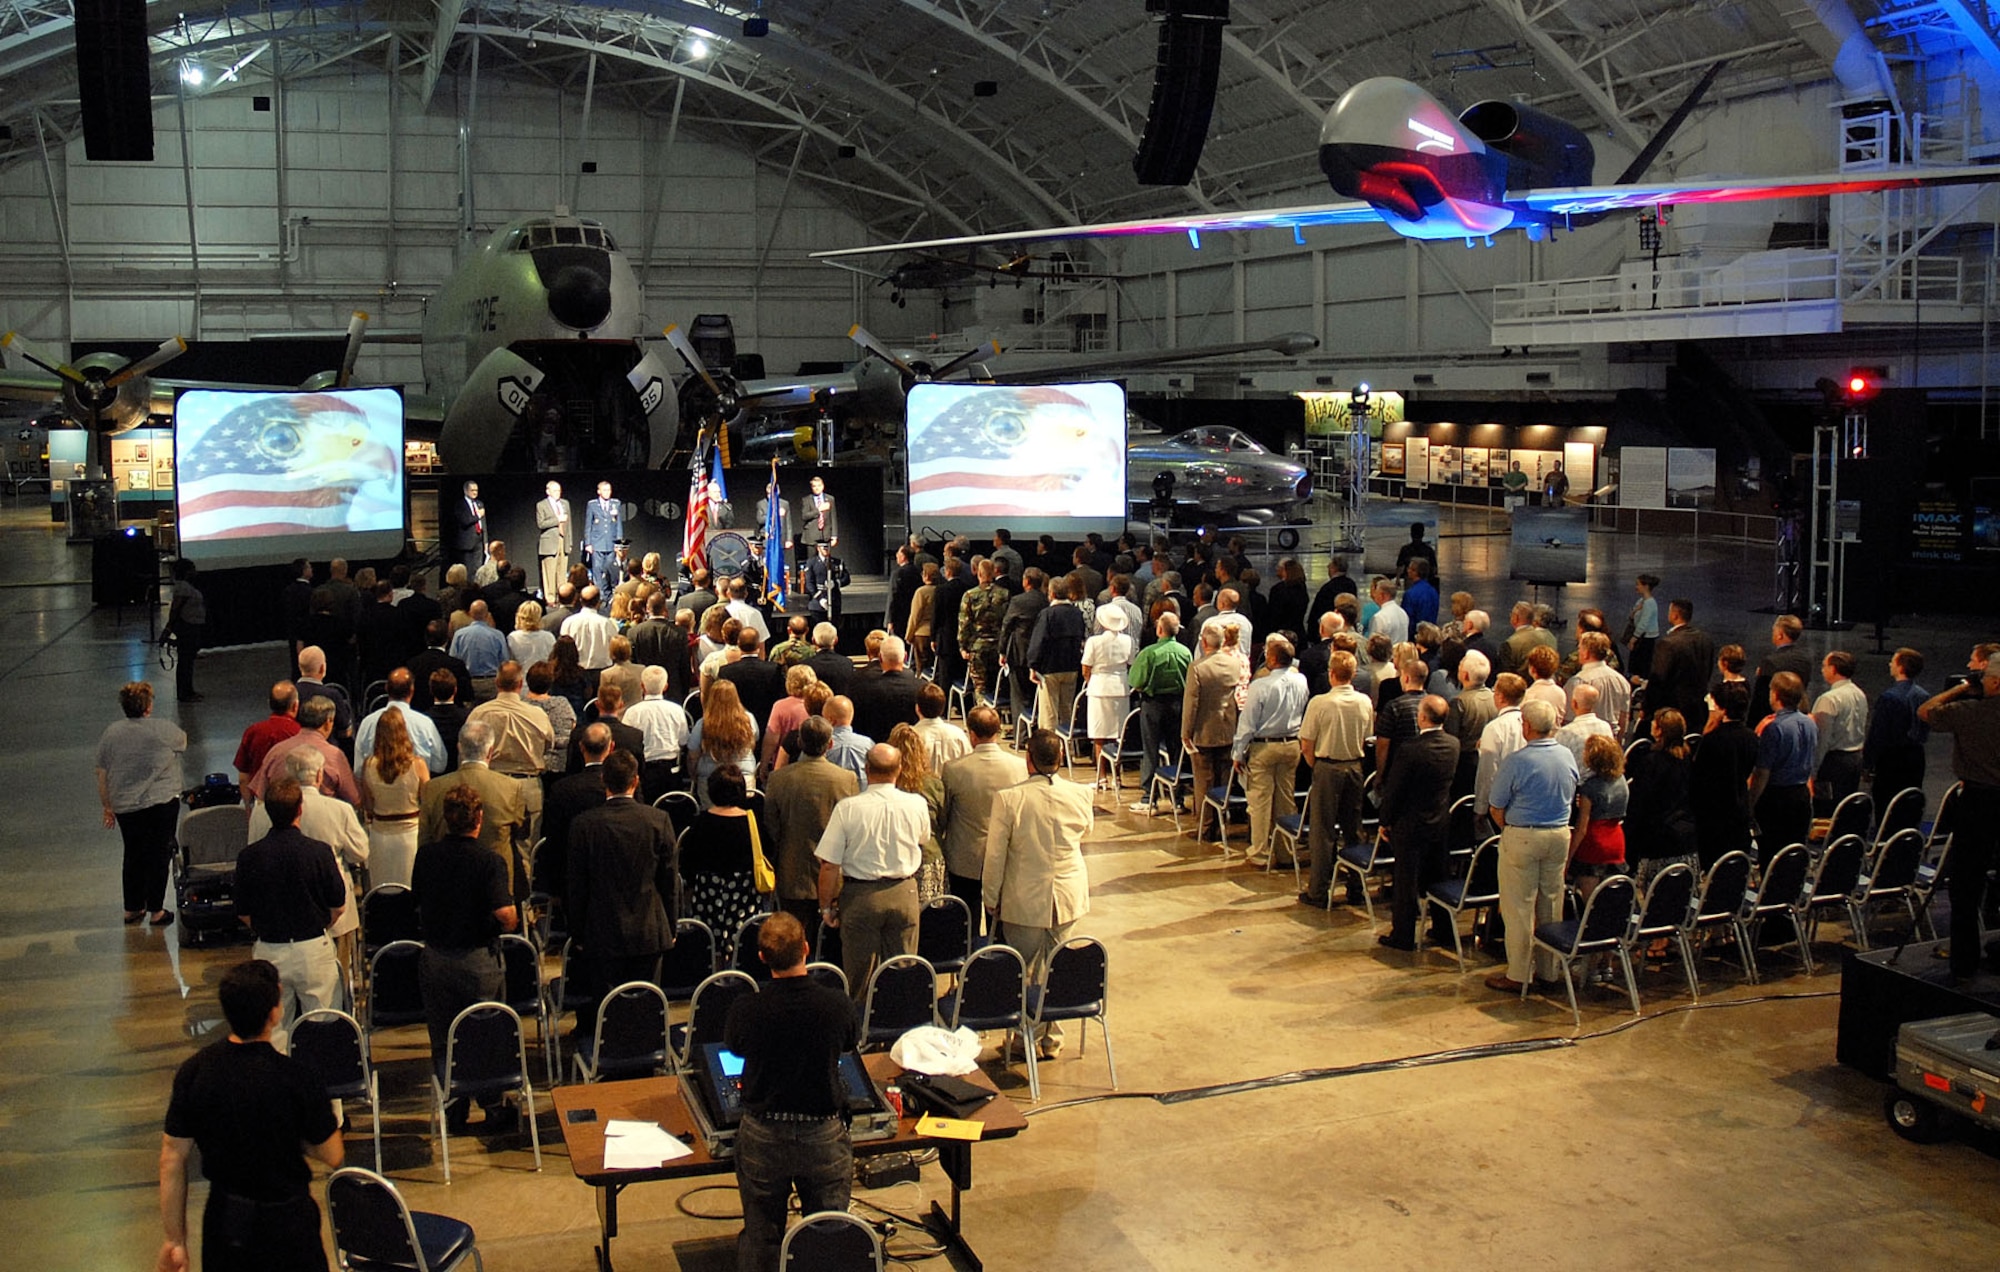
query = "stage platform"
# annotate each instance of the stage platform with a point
(1880, 990)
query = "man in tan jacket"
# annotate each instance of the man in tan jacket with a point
(1208, 718)
(798, 800)
(971, 784)
(1036, 886)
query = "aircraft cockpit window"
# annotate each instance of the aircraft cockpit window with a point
(539, 236)
(609, 244)
(571, 235)
(513, 241)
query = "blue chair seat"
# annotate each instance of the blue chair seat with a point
(1290, 823)
(1449, 891)
(1219, 794)
(1561, 934)
(444, 1239)
(586, 1047)
(1075, 1011)
(978, 1024)
(1361, 856)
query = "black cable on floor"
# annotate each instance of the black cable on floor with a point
(1483, 1051)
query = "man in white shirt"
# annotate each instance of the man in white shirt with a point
(744, 612)
(591, 630)
(1226, 615)
(663, 724)
(1614, 692)
(424, 735)
(943, 740)
(869, 856)
(1266, 747)
(1588, 724)
(1501, 737)
(1390, 619)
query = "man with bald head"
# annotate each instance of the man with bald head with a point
(849, 749)
(1416, 815)
(312, 683)
(481, 647)
(869, 855)
(259, 738)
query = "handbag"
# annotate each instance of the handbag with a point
(760, 865)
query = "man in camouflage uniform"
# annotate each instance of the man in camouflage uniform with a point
(796, 647)
(979, 616)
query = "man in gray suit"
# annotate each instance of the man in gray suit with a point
(798, 799)
(970, 784)
(553, 546)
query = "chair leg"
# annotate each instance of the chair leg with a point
(1631, 984)
(1104, 1024)
(1687, 964)
(375, 1114)
(444, 1131)
(1457, 944)
(1569, 987)
(528, 1116)
(1857, 922)
(1028, 1049)
(1805, 944)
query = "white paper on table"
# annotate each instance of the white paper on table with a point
(639, 1146)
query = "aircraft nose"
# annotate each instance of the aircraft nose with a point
(579, 297)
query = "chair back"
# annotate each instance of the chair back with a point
(1722, 892)
(522, 964)
(1784, 879)
(1637, 746)
(371, 1221)
(681, 809)
(1896, 865)
(1905, 812)
(1853, 815)
(1463, 834)
(1668, 898)
(1482, 875)
(944, 933)
(1608, 913)
(631, 1038)
(485, 1051)
(395, 995)
(389, 913)
(902, 994)
(690, 962)
(1839, 871)
(709, 1006)
(213, 836)
(992, 990)
(1079, 978)
(831, 1241)
(1946, 819)
(745, 958)
(829, 975)
(330, 1043)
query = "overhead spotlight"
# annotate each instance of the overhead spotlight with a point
(192, 75)
(698, 47)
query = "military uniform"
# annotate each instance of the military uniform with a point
(979, 616)
(788, 653)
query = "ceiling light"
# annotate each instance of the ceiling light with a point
(699, 47)
(192, 75)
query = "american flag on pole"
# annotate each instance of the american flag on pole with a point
(284, 463)
(694, 538)
(997, 452)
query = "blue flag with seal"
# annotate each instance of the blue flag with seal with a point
(774, 543)
(715, 474)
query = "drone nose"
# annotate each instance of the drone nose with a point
(580, 297)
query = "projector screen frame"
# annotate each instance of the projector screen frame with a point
(1108, 513)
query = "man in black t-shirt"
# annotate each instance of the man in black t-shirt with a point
(289, 890)
(465, 904)
(794, 1131)
(250, 1109)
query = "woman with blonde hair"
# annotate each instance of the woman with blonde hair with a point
(389, 784)
(725, 734)
(788, 712)
(916, 777)
(1597, 841)
(528, 644)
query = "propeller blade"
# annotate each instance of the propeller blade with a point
(859, 335)
(170, 348)
(684, 347)
(356, 325)
(963, 359)
(15, 342)
(780, 397)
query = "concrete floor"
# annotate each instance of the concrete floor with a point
(1724, 1136)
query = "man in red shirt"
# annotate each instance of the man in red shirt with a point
(259, 738)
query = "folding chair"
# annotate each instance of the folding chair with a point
(1602, 928)
(630, 1038)
(1931, 876)
(1173, 776)
(991, 994)
(1078, 988)
(1664, 915)
(708, 1008)
(681, 808)
(1853, 815)
(331, 1044)
(1361, 860)
(1893, 873)
(561, 993)
(1124, 746)
(831, 1241)
(1835, 877)
(901, 994)
(1478, 889)
(1720, 904)
(944, 934)
(389, 913)
(1074, 732)
(1292, 831)
(1462, 833)
(1943, 822)
(485, 1053)
(1221, 800)
(1905, 811)
(395, 996)
(1777, 895)
(690, 962)
(1634, 747)
(374, 1229)
(744, 953)
(522, 964)
(829, 975)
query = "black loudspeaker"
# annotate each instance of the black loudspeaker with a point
(114, 80)
(1184, 75)
(122, 567)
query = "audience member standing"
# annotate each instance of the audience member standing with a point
(1841, 715)
(1107, 656)
(1017, 625)
(971, 783)
(502, 820)
(1159, 679)
(250, 1109)
(869, 857)
(1531, 796)
(1642, 628)
(1471, 711)
(187, 619)
(1265, 745)
(1721, 782)
(1603, 797)
(623, 892)
(1786, 746)
(334, 823)
(1035, 881)
(1786, 655)
(1209, 713)
(391, 781)
(1055, 652)
(1660, 825)
(1333, 736)
(1894, 751)
(289, 891)
(717, 867)
(1681, 665)
(798, 800)
(259, 738)
(139, 784)
(1416, 815)
(1973, 720)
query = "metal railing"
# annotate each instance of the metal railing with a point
(1770, 280)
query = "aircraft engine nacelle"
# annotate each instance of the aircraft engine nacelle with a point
(501, 385)
(1541, 150)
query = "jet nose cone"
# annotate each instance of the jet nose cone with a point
(580, 297)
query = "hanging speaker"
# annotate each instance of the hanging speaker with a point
(114, 80)
(1184, 74)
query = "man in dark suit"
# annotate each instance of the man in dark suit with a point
(468, 528)
(1017, 625)
(1682, 662)
(295, 604)
(903, 585)
(1416, 815)
(1786, 655)
(699, 597)
(623, 887)
(886, 698)
(834, 669)
(656, 642)
(610, 705)
(759, 682)
(434, 658)
(572, 795)
(506, 595)
(944, 620)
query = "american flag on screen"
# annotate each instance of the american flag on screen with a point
(1015, 451)
(283, 463)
